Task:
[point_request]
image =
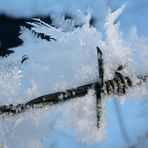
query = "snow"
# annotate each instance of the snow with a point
(70, 61)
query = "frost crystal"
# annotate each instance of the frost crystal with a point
(10, 81)
(68, 60)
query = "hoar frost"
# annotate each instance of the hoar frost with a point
(70, 59)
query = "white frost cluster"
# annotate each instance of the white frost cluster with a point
(10, 81)
(80, 115)
(70, 60)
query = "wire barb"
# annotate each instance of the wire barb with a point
(101, 85)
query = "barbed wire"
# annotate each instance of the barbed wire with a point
(119, 85)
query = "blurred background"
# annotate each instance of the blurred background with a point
(14, 14)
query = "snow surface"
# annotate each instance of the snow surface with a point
(68, 62)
